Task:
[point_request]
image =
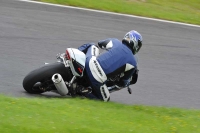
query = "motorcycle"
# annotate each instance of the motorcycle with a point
(64, 76)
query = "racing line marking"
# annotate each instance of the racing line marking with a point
(106, 12)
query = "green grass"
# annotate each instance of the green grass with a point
(187, 11)
(70, 115)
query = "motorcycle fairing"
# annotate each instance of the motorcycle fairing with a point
(76, 61)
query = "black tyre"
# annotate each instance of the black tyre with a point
(43, 74)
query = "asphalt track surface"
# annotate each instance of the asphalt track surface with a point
(169, 61)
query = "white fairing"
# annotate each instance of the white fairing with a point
(78, 56)
(60, 84)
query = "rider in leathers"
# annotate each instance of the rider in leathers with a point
(119, 59)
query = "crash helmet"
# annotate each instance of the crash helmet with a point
(133, 40)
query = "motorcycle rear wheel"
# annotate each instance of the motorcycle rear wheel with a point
(32, 81)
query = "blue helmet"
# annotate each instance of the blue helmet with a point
(133, 40)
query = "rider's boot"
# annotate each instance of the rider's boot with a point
(83, 90)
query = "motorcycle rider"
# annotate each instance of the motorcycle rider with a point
(118, 59)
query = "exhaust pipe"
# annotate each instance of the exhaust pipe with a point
(60, 84)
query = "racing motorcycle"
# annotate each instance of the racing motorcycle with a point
(65, 76)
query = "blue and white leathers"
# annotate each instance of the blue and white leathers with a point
(95, 73)
(116, 60)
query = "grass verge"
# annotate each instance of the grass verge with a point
(187, 11)
(86, 116)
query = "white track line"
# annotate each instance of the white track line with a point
(92, 10)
